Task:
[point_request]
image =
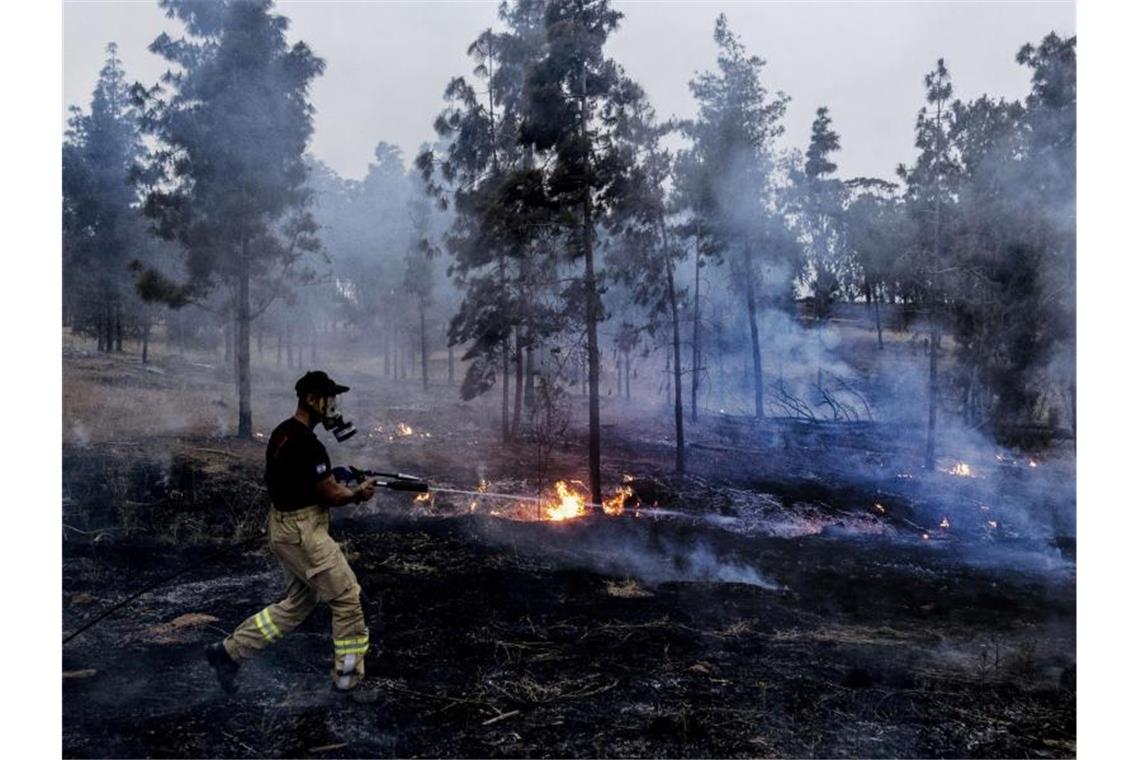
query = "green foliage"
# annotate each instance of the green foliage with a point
(102, 229)
(991, 204)
(228, 178)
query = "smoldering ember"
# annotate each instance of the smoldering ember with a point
(635, 435)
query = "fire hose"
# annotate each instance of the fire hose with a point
(394, 481)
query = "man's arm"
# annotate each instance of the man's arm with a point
(330, 493)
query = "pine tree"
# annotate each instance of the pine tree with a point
(575, 97)
(929, 191)
(499, 216)
(228, 180)
(820, 200)
(733, 137)
(102, 229)
(645, 251)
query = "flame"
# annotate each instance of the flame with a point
(425, 496)
(1032, 463)
(881, 509)
(962, 470)
(404, 429)
(568, 506)
(615, 505)
(925, 536)
(945, 524)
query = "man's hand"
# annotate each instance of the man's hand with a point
(364, 491)
(334, 494)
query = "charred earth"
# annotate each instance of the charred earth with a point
(807, 590)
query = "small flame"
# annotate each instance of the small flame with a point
(425, 496)
(615, 505)
(1032, 463)
(880, 508)
(568, 506)
(962, 470)
(404, 429)
(925, 536)
(945, 524)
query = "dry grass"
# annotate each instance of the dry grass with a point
(175, 631)
(627, 589)
(854, 635)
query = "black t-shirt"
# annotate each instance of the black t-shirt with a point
(295, 461)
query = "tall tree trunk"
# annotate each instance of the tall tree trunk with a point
(878, 319)
(109, 328)
(260, 336)
(528, 392)
(678, 410)
(506, 410)
(146, 340)
(228, 342)
(518, 383)
(694, 381)
(754, 330)
(245, 413)
(100, 333)
(932, 418)
(423, 343)
(936, 328)
(118, 327)
(593, 360)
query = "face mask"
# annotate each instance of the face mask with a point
(335, 422)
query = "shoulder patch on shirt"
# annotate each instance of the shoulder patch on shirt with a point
(322, 468)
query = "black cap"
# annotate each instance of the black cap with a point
(319, 384)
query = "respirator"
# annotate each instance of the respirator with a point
(335, 422)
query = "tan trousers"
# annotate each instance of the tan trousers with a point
(315, 570)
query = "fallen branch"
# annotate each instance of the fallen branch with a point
(501, 716)
(215, 451)
(328, 747)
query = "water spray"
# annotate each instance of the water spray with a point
(414, 484)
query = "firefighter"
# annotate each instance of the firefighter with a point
(301, 488)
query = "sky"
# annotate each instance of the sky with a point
(388, 62)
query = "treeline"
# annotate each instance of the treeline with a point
(225, 231)
(568, 205)
(552, 203)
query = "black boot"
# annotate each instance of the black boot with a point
(224, 667)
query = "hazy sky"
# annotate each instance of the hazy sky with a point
(388, 62)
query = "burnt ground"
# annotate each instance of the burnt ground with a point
(783, 614)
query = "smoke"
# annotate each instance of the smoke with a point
(653, 551)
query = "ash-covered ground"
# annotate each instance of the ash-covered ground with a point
(807, 590)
